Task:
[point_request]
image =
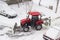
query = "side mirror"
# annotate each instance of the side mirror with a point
(27, 16)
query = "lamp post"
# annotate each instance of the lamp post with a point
(57, 6)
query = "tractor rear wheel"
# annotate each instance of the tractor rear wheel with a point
(25, 28)
(38, 27)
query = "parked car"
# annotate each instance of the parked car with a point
(6, 11)
(53, 33)
(4, 21)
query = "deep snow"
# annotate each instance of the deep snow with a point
(22, 13)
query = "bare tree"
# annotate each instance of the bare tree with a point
(39, 2)
(18, 2)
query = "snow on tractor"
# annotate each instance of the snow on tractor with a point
(33, 20)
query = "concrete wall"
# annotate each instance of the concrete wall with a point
(46, 3)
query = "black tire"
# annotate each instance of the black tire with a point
(12, 16)
(25, 28)
(45, 38)
(9, 16)
(6, 15)
(38, 27)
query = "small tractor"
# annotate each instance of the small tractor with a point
(33, 20)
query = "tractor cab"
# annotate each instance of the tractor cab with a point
(34, 17)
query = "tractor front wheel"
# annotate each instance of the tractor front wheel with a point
(38, 27)
(25, 29)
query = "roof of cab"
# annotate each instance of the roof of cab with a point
(35, 13)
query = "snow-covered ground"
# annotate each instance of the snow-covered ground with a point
(22, 13)
(37, 35)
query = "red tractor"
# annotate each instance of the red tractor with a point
(35, 21)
